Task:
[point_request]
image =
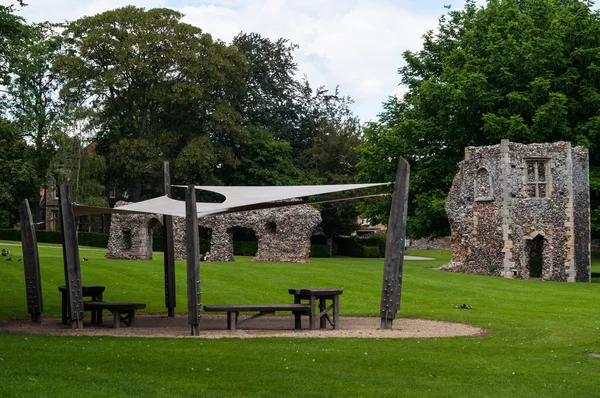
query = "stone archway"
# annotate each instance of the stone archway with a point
(131, 235)
(534, 253)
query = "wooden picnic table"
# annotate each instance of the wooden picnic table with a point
(95, 292)
(311, 295)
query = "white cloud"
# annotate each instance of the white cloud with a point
(356, 44)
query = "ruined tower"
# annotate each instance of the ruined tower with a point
(522, 211)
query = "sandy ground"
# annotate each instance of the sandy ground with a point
(215, 326)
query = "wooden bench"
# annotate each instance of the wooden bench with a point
(123, 313)
(233, 311)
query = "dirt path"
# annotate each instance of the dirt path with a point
(214, 326)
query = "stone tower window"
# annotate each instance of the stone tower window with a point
(483, 186)
(537, 179)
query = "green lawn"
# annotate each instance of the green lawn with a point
(539, 340)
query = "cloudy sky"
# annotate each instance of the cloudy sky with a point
(354, 44)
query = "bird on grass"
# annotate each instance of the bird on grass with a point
(463, 306)
(5, 252)
(84, 259)
(8, 259)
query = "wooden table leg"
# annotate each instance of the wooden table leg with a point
(336, 311)
(232, 320)
(65, 307)
(312, 317)
(322, 307)
(117, 319)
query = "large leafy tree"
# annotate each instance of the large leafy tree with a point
(527, 70)
(33, 102)
(19, 179)
(156, 89)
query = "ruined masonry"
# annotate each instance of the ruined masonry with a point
(522, 211)
(283, 234)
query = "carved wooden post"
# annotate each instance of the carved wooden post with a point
(169, 250)
(394, 252)
(193, 260)
(71, 258)
(31, 263)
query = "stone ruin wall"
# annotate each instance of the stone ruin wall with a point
(283, 234)
(495, 227)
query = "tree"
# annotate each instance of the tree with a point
(18, 175)
(153, 87)
(526, 70)
(266, 161)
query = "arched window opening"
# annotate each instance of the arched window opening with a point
(483, 186)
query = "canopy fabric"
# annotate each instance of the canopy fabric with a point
(237, 199)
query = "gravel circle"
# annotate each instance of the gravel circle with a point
(215, 326)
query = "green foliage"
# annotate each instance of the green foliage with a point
(523, 70)
(371, 252)
(381, 240)
(156, 87)
(349, 247)
(265, 161)
(93, 239)
(44, 236)
(19, 180)
(245, 248)
(10, 234)
(319, 250)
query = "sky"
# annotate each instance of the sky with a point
(356, 45)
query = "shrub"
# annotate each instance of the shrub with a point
(10, 234)
(371, 251)
(319, 250)
(245, 248)
(349, 247)
(44, 236)
(204, 245)
(92, 239)
(381, 240)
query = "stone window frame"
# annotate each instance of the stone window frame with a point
(536, 182)
(488, 198)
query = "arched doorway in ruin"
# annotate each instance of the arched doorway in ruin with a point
(534, 254)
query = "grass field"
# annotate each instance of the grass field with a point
(540, 335)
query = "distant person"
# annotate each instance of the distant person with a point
(205, 256)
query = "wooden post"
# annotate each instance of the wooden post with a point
(193, 260)
(169, 250)
(394, 252)
(71, 258)
(31, 263)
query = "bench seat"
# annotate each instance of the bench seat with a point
(233, 311)
(123, 313)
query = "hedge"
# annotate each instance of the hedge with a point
(92, 239)
(43, 236)
(245, 248)
(371, 251)
(378, 240)
(349, 247)
(319, 250)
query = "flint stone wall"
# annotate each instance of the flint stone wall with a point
(508, 198)
(139, 226)
(283, 234)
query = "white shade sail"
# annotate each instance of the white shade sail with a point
(237, 199)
